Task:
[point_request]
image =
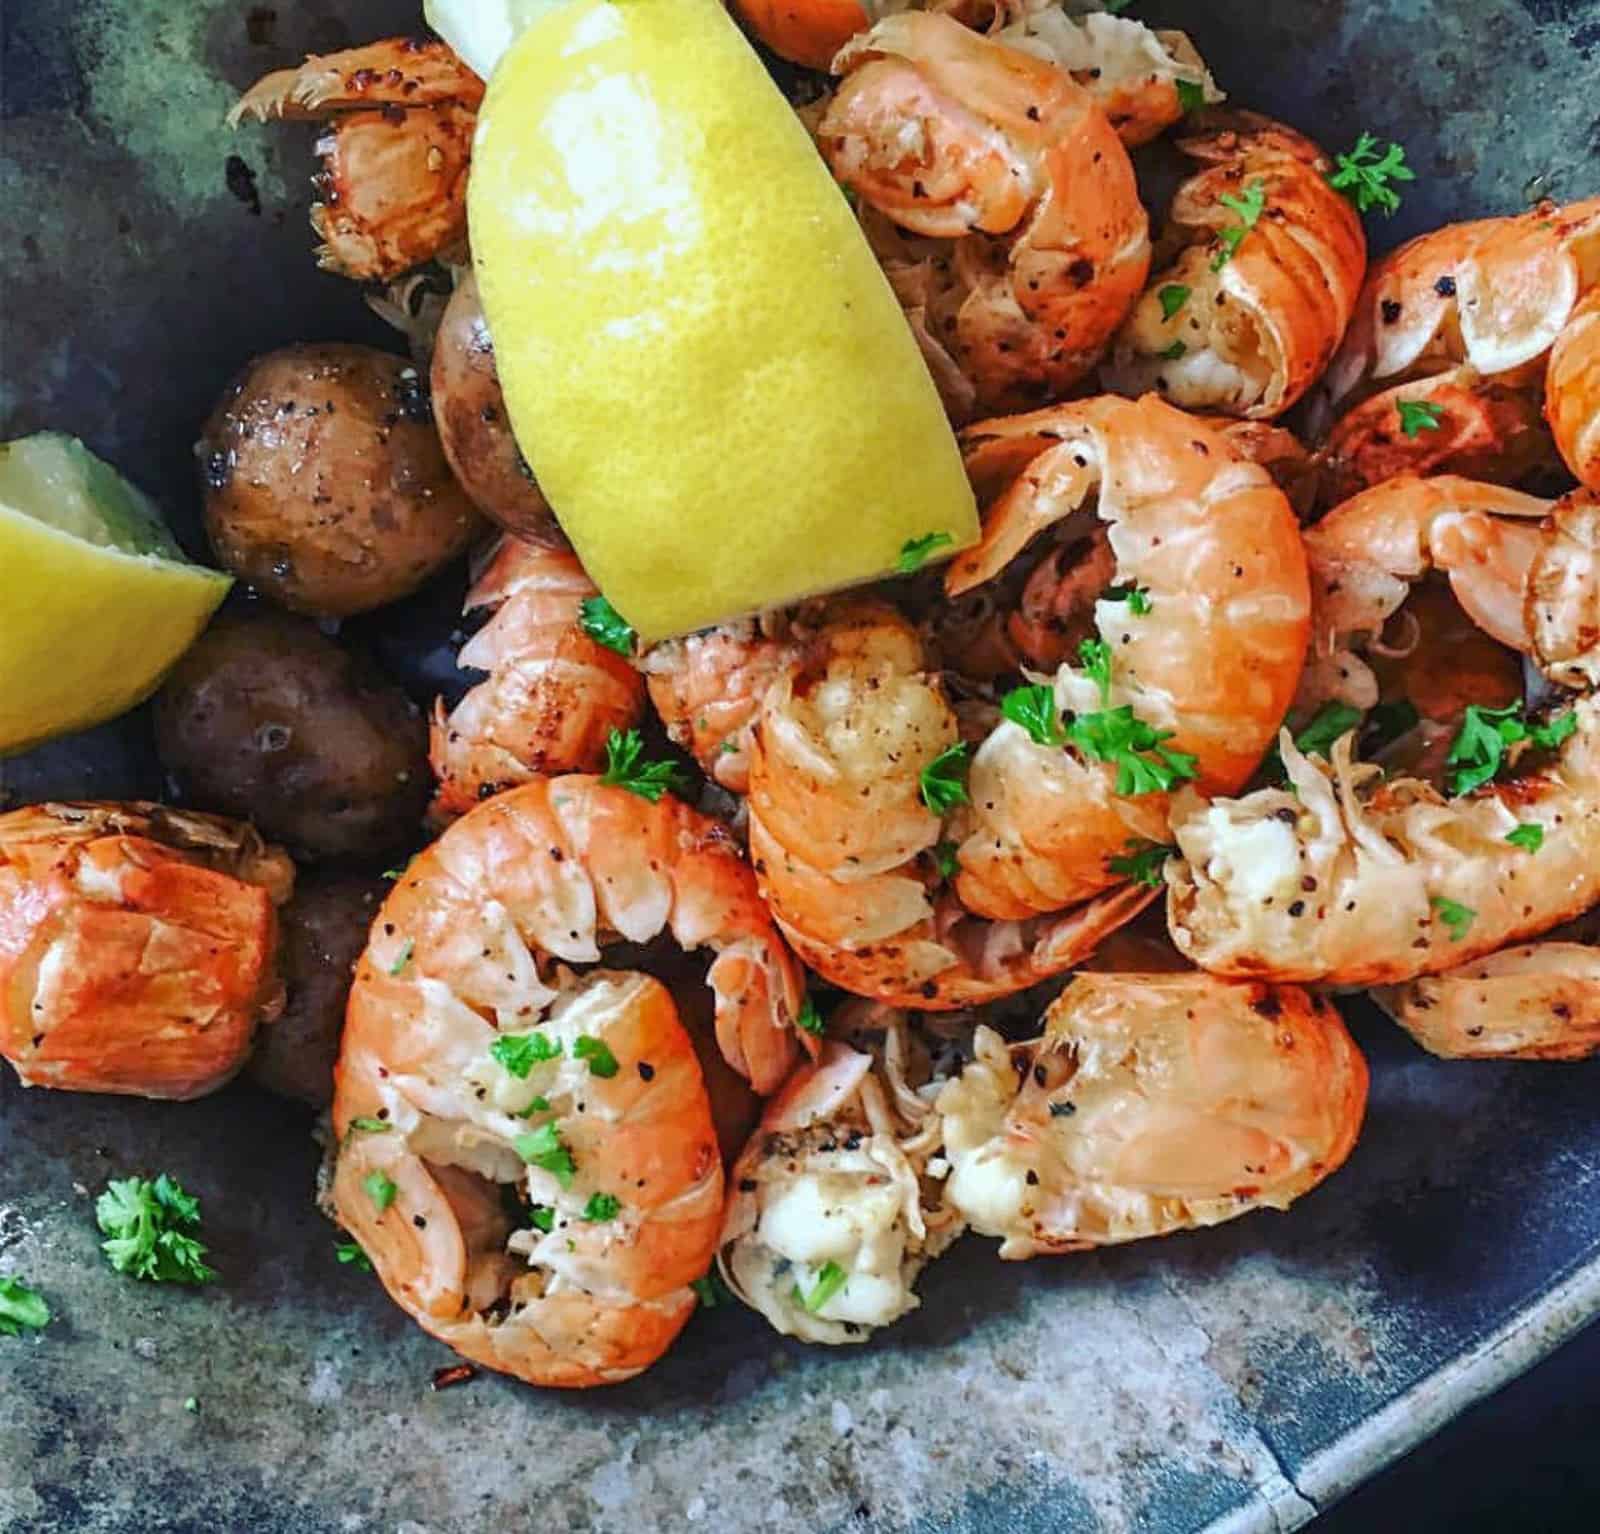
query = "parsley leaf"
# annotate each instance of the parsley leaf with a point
(945, 859)
(1250, 207)
(1317, 738)
(1095, 656)
(1478, 752)
(369, 1126)
(1138, 600)
(1332, 722)
(537, 1105)
(542, 1217)
(1479, 749)
(1363, 175)
(147, 1227)
(520, 1052)
(810, 1019)
(625, 769)
(1458, 918)
(710, 1290)
(1191, 95)
(944, 780)
(1529, 836)
(350, 1254)
(1144, 765)
(380, 1188)
(1173, 353)
(601, 1207)
(407, 948)
(1142, 862)
(1418, 415)
(830, 1280)
(21, 1308)
(916, 552)
(1549, 736)
(606, 626)
(545, 1148)
(597, 1052)
(1173, 296)
(1033, 706)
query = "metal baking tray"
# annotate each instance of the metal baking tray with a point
(1238, 1378)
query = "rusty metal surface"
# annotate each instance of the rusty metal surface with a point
(1236, 1378)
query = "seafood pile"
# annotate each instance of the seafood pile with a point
(1007, 899)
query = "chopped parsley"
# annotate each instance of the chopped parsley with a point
(606, 626)
(1191, 95)
(1458, 918)
(350, 1254)
(369, 1126)
(538, 1105)
(1172, 296)
(1144, 765)
(1363, 175)
(149, 1231)
(597, 1052)
(710, 1290)
(21, 1308)
(544, 1147)
(1418, 415)
(1478, 752)
(1529, 836)
(601, 1207)
(1173, 353)
(916, 552)
(810, 1019)
(944, 780)
(1095, 655)
(1548, 736)
(407, 948)
(626, 769)
(1138, 600)
(1033, 706)
(830, 1280)
(1331, 722)
(520, 1052)
(1142, 862)
(1250, 207)
(945, 859)
(380, 1188)
(542, 1217)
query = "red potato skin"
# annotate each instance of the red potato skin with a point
(474, 429)
(325, 485)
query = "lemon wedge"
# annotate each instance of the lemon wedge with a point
(97, 600)
(702, 361)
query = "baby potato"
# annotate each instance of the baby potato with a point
(471, 415)
(325, 484)
(324, 929)
(267, 719)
